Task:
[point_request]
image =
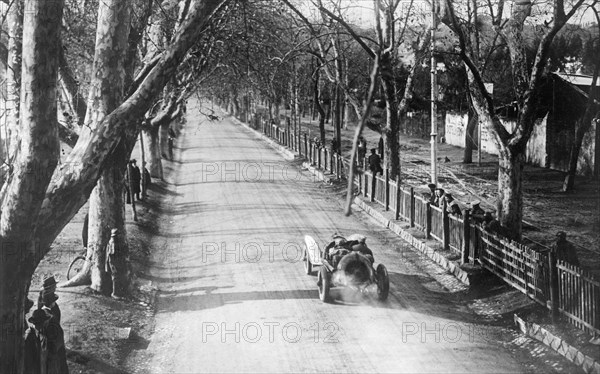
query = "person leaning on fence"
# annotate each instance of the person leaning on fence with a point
(477, 214)
(431, 195)
(564, 250)
(452, 206)
(375, 163)
(438, 197)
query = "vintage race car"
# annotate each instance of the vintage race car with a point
(345, 263)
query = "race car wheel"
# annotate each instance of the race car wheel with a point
(324, 284)
(383, 283)
(308, 267)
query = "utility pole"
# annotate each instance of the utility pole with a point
(434, 98)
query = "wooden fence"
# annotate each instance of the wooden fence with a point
(559, 286)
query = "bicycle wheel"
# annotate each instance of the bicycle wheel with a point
(75, 267)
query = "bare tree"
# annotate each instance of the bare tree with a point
(527, 78)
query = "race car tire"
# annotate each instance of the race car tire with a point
(383, 283)
(324, 284)
(308, 266)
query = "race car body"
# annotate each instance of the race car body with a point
(346, 263)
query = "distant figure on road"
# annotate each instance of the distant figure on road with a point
(375, 163)
(565, 251)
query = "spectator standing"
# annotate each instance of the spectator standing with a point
(362, 151)
(431, 195)
(452, 206)
(564, 250)
(136, 179)
(111, 262)
(48, 291)
(375, 163)
(36, 342)
(57, 353)
(477, 213)
(439, 196)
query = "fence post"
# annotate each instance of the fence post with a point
(387, 189)
(398, 195)
(412, 207)
(553, 285)
(365, 184)
(373, 186)
(446, 226)
(306, 145)
(318, 149)
(428, 221)
(466, 235)
(331, 154)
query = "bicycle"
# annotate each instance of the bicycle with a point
(77, 264)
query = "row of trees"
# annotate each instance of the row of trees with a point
(512, 44)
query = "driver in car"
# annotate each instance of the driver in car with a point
(337, 249)
(361, 247)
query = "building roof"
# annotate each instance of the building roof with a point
(576, 79)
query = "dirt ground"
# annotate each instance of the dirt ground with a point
(547, 209)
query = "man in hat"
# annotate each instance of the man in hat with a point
(49, 287)
(36, 342)
(565, 251)
(452, 206)
(57, 354)
(110, 265)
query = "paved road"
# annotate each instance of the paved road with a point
(233, 296)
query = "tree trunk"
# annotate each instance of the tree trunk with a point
(153, 151)
(106, 200)
(318, 106)
(24, 191)
(470, 134)
(13, 293)
(143, 168)
(510, 192)
(391, 159)
(14, 20)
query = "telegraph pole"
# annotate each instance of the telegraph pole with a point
(434, 98)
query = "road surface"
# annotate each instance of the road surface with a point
(233, 296)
